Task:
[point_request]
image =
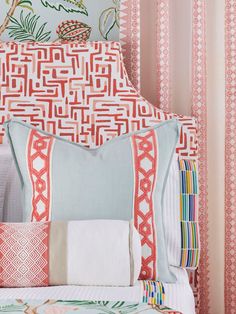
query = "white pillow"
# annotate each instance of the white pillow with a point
(107, 253)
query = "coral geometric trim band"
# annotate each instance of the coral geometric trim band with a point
(39, 152)
(199, 110)
(163, 54)
(145, 164)
(230, 158)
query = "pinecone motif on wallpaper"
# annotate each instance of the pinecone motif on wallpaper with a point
(73, 31)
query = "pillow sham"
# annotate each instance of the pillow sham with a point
(69, 253)
(182, 240)
(123, 179)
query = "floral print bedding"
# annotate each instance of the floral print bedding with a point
(66, 307)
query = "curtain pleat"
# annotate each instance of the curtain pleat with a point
(230, 157)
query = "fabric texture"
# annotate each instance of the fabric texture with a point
(123, 179)
(76, 306)
(178, 296)
(199, 110)
(184, 39)
(230, 160)
(75, 253)
(174, 228)
(5, 162)
(109, 105)
(76, 21)
(62, 20)
(171, 213)
(153, 292)
(24, 251)
(188, 216)
(13, 198)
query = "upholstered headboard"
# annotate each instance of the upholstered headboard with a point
(79, 91)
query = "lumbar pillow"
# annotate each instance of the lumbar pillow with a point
(123, 179)
(69, 253)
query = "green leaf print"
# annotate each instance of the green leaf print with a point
(27, 4)
(27, 29)
(104, 307)
(109, 18)
(67, 5)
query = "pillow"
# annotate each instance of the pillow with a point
(69, 253)
(10, 188)
(177, 217)
(5, 162)
(180, 208)
(13, 198)
(122, 179)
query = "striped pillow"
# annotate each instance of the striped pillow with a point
(189, 213)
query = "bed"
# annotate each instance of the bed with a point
(108, 106)
(178, 296)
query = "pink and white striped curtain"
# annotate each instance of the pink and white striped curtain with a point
(196, 84)
(195, 59)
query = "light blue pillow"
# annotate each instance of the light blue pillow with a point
(123, 179)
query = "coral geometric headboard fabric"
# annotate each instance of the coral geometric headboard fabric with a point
(77, 20)
(78, 91)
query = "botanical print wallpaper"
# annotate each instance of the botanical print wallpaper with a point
(52, 20)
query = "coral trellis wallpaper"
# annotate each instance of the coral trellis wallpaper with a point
(28, 20)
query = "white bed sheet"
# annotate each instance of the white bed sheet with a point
(179, 296)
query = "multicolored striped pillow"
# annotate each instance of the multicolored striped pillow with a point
(189, 214)
(123, 179)
(180, 207)
(73, 253)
